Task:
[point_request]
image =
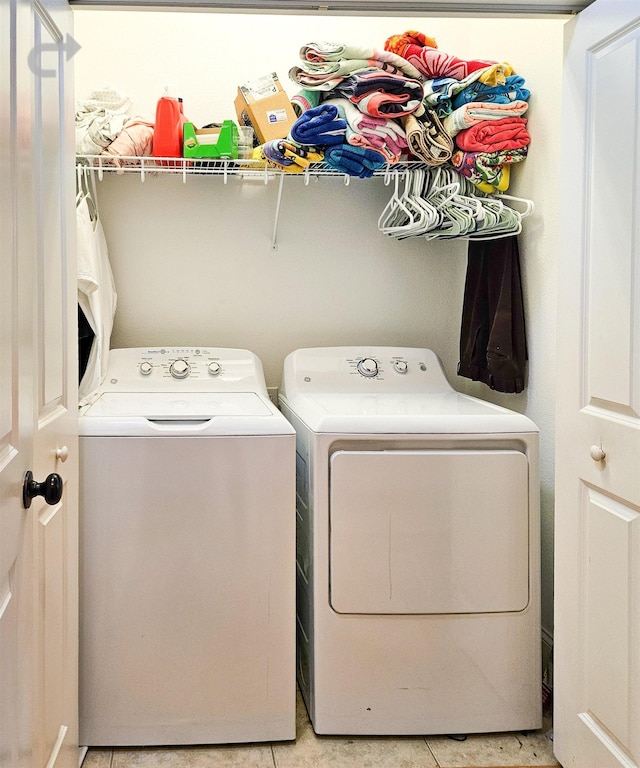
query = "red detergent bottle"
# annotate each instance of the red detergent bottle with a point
(167, 134)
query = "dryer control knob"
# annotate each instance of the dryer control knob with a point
(145, 368)
(400, 366)
(179, 369)
(367, 367)
(214, 368)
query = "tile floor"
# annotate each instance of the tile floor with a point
(506, 750)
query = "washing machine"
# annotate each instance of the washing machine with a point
(418, 592)
(187, 571)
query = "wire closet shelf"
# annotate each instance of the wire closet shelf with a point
(225, 167)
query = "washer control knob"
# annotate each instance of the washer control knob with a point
(145, 368)
(214, 368)
(179, 369)
(367, 367)
(400, 366)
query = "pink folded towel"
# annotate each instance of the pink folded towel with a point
(478, 111)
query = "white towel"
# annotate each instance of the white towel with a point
(96, 295)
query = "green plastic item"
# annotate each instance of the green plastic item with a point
(211, 142)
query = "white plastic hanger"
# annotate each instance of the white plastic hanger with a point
(85, 190)
(440, 203)
(395, 215)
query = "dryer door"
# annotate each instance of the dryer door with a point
(430, 531)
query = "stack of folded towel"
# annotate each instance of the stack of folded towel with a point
(410, 101)
(487, 149)
(480, 104)
(381, 134)
(324, 65)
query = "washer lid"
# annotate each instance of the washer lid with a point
(177, 406)
(176, 414)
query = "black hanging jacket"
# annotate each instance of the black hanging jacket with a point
(493, 346)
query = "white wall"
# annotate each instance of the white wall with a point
(193, 263)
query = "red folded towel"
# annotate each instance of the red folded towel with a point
(494, 135)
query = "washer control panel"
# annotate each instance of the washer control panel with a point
(180, 362)
(171, 368)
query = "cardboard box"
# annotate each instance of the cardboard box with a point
(266, 107)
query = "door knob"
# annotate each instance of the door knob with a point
(50, 489)
(596, 453)
(62, 453)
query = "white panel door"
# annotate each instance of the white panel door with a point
(597, 565)
(38, 388)
(16, 643)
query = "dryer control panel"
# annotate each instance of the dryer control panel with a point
(371, 367)
(184, 368)
(364, 369)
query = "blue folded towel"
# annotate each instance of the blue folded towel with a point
(513, 90)
(354, 160)
(319, 127)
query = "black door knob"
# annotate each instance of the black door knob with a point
(50, 489)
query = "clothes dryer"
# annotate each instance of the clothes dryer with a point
(187, 573)
(418, 597)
